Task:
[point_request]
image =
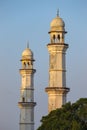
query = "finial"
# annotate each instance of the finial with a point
(58, 13)
(27, 44)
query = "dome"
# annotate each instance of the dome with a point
(27, 53)
(57, 24)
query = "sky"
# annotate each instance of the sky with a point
(29, 20)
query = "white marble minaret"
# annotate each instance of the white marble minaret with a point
(57, 90)
(26, 103)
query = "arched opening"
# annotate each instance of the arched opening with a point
(62, 37)
(23, 99)
(54, 38)
(58, 38)
(28, 64)
(24, 65)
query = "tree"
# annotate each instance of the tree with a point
(69, 117)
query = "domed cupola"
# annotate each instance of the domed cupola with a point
(27, 58)
(57, 24)
(27, 54)
(57, 30)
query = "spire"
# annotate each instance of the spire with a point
(27, 44)
(58, 13)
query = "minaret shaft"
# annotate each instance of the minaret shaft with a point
(57, 65)
(27, 87)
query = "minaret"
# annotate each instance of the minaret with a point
(26, 103)
(57, 90)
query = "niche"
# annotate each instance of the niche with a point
(23, 99)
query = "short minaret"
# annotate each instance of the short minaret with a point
(26, 103)
(57, 90)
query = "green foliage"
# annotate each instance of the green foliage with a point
(69, 117)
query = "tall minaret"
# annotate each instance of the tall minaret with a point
(26, 103)
(57, 90)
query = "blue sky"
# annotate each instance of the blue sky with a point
(29, 20)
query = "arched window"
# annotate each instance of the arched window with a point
(58, 38)
(54, 38)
